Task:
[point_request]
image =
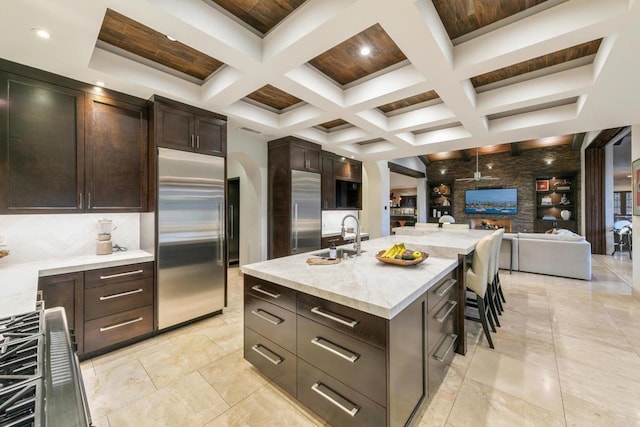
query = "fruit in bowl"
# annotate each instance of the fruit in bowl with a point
(3, 253)
(398, 251)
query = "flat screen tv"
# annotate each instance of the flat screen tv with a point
(502, 201)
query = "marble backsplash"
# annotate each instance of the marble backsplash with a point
(38, 237)
(332, 220)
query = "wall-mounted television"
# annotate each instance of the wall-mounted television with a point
(502, 201)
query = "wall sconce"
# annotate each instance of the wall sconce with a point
(442, 171)
(548, 161)
(490, 165)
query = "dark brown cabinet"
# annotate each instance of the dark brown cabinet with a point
(65, 149)
(105, 307)
(41, 146)
(556, 203)
(353, 368)
(183, 127)
(67, 291)
(341, 182)
(116, 156)
(284, 156)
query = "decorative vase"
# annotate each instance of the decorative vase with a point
(565, 214)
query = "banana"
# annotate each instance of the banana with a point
(387, 253)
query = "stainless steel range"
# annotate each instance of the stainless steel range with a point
(40, 379)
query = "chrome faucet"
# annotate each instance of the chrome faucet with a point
(356, 243)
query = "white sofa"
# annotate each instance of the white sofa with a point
(565, 254)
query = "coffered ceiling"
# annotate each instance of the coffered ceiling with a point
(439, 75)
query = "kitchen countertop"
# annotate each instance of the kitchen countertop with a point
(19, 282)
(347, 235)
(363, 283)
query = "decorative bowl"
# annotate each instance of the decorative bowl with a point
(401, 262)
(3, 253)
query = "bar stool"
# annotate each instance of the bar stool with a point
(491, 292)
(477, 280)
(497, 287)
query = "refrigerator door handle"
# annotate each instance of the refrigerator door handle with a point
(221, 232)
(295, 228)
(231, 218)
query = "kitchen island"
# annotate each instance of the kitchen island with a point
(359, 342)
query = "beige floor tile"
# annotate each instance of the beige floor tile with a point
(114, 388)
(262, 408)
(597, 387)
(439, 408)
(526, 381)
(184, 355)
(131, 352)
(190, 401)
(102, 422)
(233, 377)
(580, 413)
(480, 405)
(599, 356)
(525, 348)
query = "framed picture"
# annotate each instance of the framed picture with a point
(542, 185)
(636, 187)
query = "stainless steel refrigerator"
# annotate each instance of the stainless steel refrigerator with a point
(191, 236)
(306, 215)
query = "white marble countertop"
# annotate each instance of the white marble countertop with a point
(363, 282)
(19, 282)
(441, 242)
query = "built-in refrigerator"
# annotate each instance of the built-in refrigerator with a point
(191, 235)
(306, 212)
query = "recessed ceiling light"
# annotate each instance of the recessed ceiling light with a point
(365, 50)
(629, 176)
(99, 83)
(43, 34)
(173, 39)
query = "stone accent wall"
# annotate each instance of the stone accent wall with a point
(514, 171)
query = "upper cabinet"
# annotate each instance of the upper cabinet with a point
(64, 149)
(341, 182)
(183, 127)
(116, 155)
(305, 156)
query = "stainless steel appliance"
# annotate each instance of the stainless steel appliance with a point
(40, 379)
(306, 215)
(191, 236)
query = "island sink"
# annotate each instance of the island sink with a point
(339, 251)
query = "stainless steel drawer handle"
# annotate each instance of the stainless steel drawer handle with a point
(452, 344)
(452, 305)
(335, 398)
(265, 315)
(126, 273)
(262, 351)
(258, 288)
(122, 294)
(347, 355)
(119, 325)
(335, 317)
(445, 287)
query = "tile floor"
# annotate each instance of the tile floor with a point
(568, 354)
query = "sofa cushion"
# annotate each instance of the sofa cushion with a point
(566, 237)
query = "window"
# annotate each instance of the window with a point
(622, 204)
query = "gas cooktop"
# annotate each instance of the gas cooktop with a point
(40, 381)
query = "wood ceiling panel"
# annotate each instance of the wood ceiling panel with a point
(261, 15)
(544, 61)
(546, 142)
(333, 124)
(461, 17)
(133, 37)
(407, 102)
(274, 97)
(344, 64)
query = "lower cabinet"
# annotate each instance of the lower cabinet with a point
(348, 366)
(105, 307)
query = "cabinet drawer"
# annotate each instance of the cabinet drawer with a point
(120, 327)
(335, 402)
(356, 323)
(123, 273)
(271, 321)
(440, 359)
(441, 290)
(358, 364)
(442, 320)
(272, 360)
(100, 301)
(275, 294)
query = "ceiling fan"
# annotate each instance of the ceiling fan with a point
(477, 176)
